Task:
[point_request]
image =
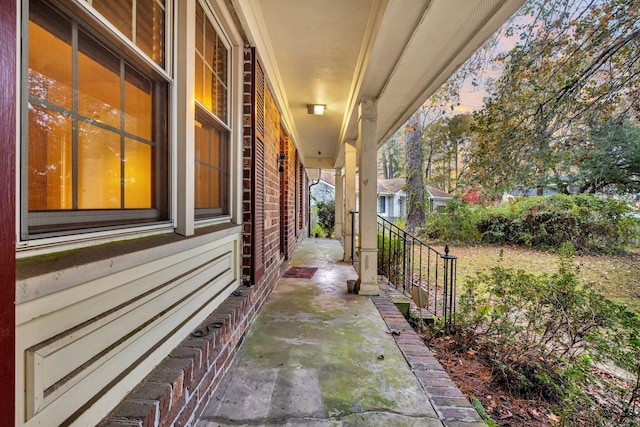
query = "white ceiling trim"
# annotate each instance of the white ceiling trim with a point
(368, 43)
(252, 18)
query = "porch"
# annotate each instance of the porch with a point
(317, 355)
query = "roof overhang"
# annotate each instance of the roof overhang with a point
(337, 52)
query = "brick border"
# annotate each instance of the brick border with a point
(451, 405)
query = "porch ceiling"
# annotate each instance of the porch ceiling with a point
(336, 52)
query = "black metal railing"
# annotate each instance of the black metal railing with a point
(418, 270)
(354, 237)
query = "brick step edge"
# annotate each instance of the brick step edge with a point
(451, 405)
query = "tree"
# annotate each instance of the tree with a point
(444, 141)
(392, 159)
(610, 159)
(576, 62)
(415, 183)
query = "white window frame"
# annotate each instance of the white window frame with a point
(29, 246)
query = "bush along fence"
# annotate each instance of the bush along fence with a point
(591, 224)
(418, 270)
(556, 338)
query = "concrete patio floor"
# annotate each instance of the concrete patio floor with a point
(319, 356)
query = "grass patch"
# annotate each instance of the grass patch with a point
(616, 276)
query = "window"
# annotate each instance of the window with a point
(211, 171)
(212, 188)
(141, 21)
(382, 204)
(95, 122)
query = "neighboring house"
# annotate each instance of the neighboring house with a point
(392, 198)
(154, 169)
(324, 189)
(547, 190)
(437, 198)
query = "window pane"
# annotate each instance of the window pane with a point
(199, 29)
(202, 144)
(98, 83)
(98, 168)
(211, 65)
(214, 190)
(221, 62)
(144, 26)
(150, 28)
(210, 90)
(118, 12)
(137, 104)
(210, 44)
(211, 167)
(221, 98)
(50, 63)
(199, 79)
(202, 187)
(137, 174)
(50, 161)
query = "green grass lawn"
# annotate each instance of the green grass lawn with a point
(618, 277)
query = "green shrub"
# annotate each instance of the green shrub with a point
(544, 335)
(317, 231)
(456, 223)
(327, 216)
(592, 224)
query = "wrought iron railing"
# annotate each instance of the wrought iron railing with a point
(418, 270)
(354, 237)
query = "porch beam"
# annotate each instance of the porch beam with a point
(367, 147)
(349, 197)
(318, 163)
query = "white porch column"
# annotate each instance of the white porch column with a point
(339, 204)
(186, 117)
(368, 176)
(349, 197)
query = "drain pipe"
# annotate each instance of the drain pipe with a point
(309, 203)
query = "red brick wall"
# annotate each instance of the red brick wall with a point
(290, 177)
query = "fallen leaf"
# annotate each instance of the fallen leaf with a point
(505, 414)
(553, 417)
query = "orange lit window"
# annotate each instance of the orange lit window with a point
(211, 67)
(96, 131)
(211, 171)
(141, 21)
(211, 133)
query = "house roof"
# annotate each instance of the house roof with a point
(328, 176)
(393, 186)
(438, 194)
(390, 186)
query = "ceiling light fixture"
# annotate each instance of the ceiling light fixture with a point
(316, 109)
